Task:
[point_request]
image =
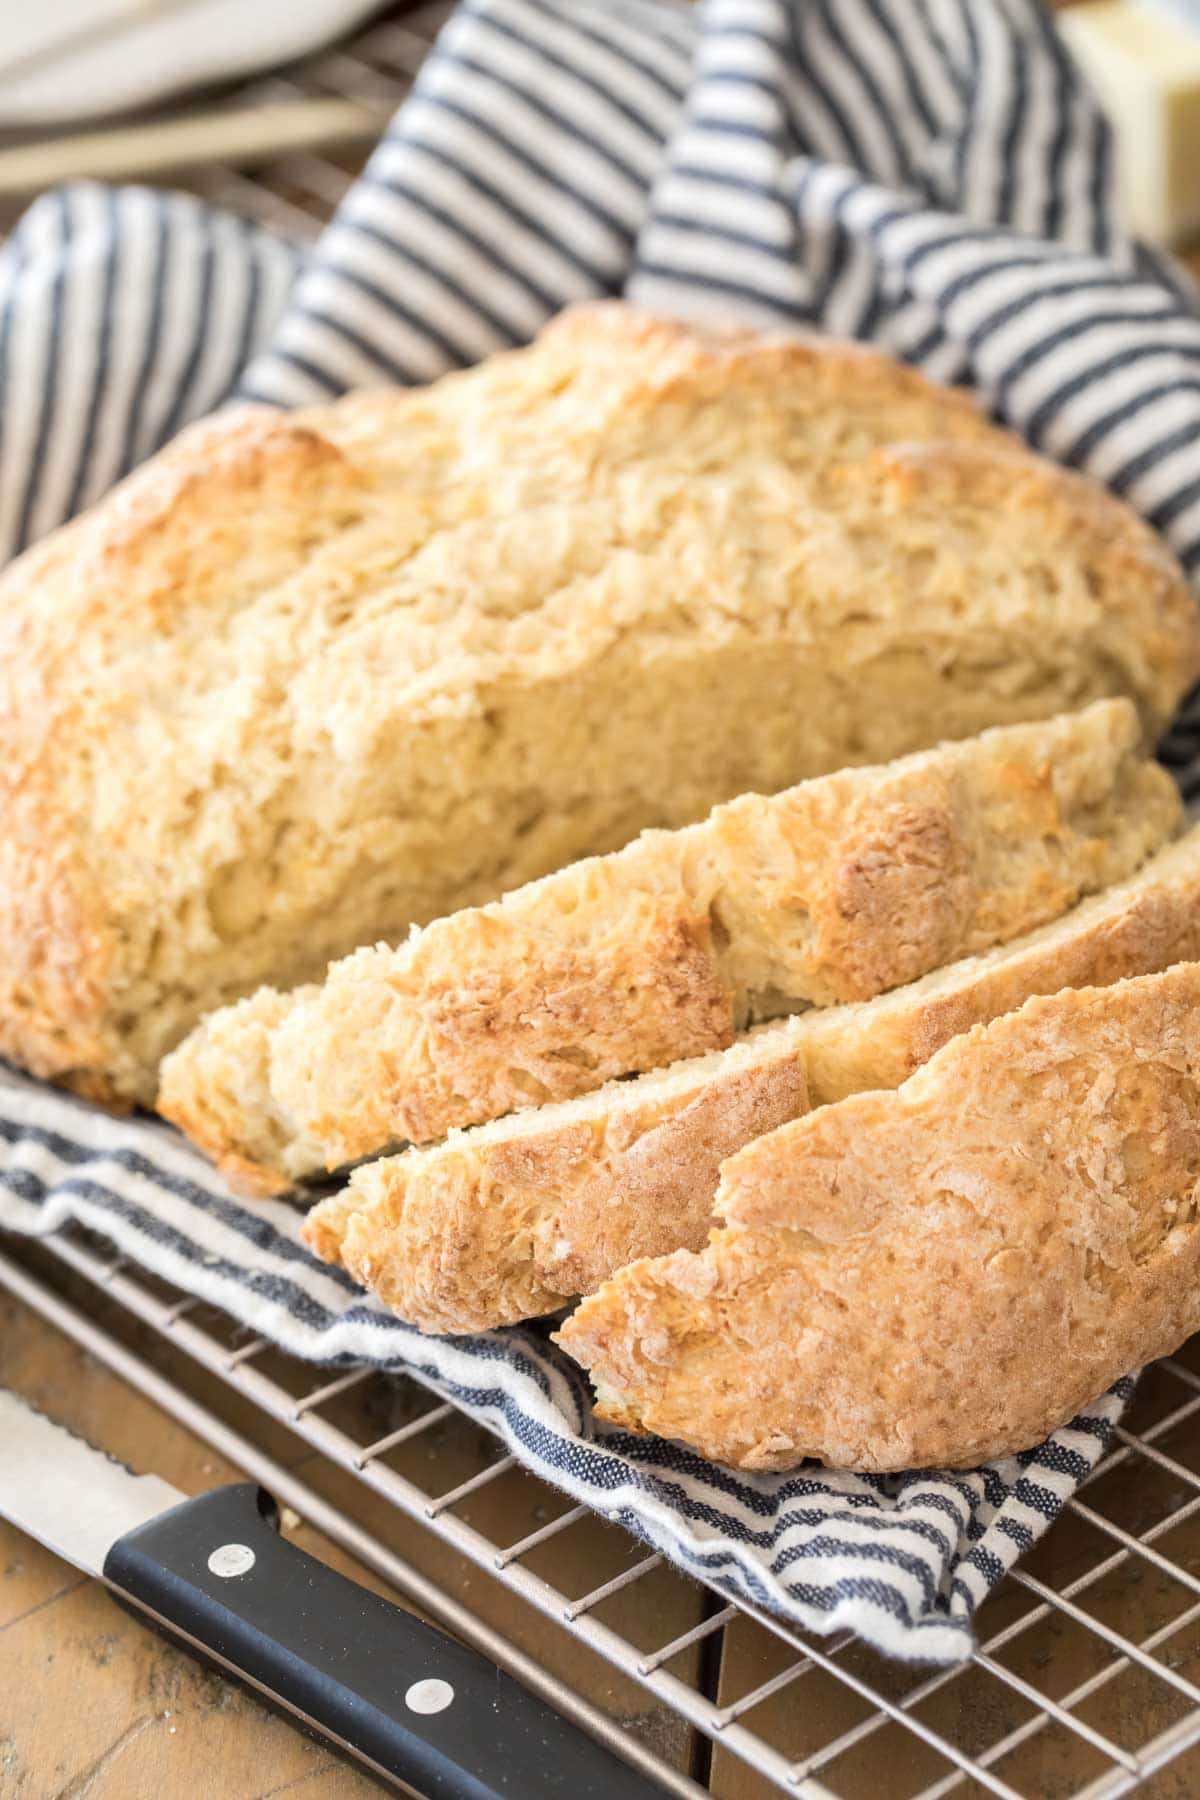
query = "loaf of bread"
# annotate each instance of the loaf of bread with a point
(303, 680)
(834, 890)
(939, 1275)
(512, 1219)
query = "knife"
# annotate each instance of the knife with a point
(429, 1715)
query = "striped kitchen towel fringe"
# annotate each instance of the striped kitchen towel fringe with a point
(929, 175)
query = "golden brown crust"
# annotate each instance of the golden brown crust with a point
(77, 620)
(1062, 508)
(901, 899)
(468, 1236)
(626, 962)
(1138, 927)
(503, 1015)
(593, 585)
(512, 1219)
(937, 1275)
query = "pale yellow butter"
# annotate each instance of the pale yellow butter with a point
(1142, 59)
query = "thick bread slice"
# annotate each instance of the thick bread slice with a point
(834, 890)
(304, 680)
(513, 1218)
(938, 1275)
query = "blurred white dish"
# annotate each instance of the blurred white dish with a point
(82, 59)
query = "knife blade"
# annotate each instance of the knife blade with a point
(426, 1713)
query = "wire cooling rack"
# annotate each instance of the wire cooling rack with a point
(281, 150)
(1087, 1680)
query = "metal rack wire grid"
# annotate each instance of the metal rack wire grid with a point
(292, 190)
(1087, 1679)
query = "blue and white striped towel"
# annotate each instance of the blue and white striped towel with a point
(927, 174)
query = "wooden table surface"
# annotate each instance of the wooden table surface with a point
(92, 1705)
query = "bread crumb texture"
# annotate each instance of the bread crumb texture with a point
(938, 1275)
(831, 891)
(511, 1219)
(305, 679)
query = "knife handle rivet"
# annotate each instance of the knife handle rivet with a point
(429, 1696)
(231, 1559)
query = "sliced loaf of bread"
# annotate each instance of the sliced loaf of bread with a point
(512, 1218)
(832, 891)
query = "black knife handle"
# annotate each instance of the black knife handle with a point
(361, 1671)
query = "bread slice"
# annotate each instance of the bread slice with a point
(938, 1275)
(303, 680)
(831, 891)
(513, 1218)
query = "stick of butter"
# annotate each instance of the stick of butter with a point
(1142, 59)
